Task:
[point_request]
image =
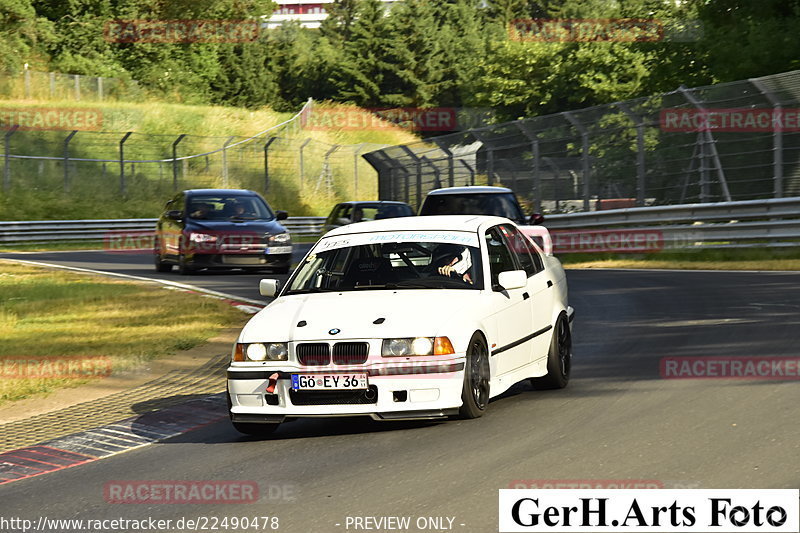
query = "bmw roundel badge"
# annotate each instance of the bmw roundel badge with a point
(334, 331)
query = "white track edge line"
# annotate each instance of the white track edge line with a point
(168, 283)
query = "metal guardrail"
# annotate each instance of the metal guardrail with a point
(97, 230)
(750, 223)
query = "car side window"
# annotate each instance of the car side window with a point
(334, 214)
(526, 253)
(500, 257)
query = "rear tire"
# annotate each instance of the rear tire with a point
(559, 358)
(183, 268)
(160, 265)
(475, 391)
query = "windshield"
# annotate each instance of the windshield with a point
(228, 207)
(499, 205)
(390, 265)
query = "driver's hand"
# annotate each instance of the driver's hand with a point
(446, 270)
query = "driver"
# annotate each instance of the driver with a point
(454, 261)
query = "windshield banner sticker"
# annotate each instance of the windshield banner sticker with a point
(455, 237)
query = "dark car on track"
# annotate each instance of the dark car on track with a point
(477, 200)
(349, 212)
(221, 229)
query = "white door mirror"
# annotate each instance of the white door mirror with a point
(512, 279)
(268, 287)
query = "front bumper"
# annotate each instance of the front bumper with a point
(239, 260)
(397, 390)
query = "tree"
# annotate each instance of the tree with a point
(341, 16)
(372, 72)
(20, 33)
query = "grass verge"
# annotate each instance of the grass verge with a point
(307, 171)
(51, 319)
(707, 259)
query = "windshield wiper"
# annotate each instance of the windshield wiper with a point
(240, 217)
(307, 291)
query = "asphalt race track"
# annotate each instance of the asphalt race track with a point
(618, 419)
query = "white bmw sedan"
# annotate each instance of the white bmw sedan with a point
(411, 318)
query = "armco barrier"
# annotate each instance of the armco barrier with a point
(750, 223)
(96, 230)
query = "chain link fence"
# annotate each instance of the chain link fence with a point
(294, 171)
(34, 85)
(732, 141)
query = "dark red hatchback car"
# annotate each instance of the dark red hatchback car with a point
(221, 229)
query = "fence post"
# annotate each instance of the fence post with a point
(66, 159)
(302, 162)
(52, 84)
(489, 156)
(100, 88)
(451, 167)
(27, 82)
(355, 168)
(122, 185)
(777, 137)
(77, 87)
(640, 162)
(225, 162)
(7, 165)
(266, 163)
(436, 171)
(584, 156)
(712, 151)
(470, 170)
(175, 161)
(537, 179)
(556, 175)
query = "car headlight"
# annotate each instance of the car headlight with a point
(406, 347)
(280, 239)
(261, 351)
(202, 237)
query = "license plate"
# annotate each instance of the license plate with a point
(279, 250)
(329, 381)
(242, 260)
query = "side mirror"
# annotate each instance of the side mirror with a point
(268, 287)
(281, 215)
(536, 219)
(512, 279)
(174, 214)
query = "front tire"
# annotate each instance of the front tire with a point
(559, 358)
(256, 430)
(475, 391)
(160, 265)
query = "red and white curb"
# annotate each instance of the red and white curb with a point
(104, 441)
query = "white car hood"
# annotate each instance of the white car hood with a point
(406, 313)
